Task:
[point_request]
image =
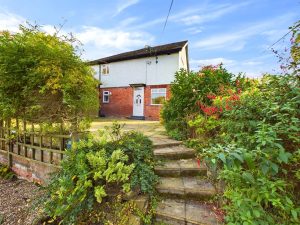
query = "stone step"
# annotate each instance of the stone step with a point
(182, 212)
(186, 188)
(175, 152)
(182, 167)
(159, 142)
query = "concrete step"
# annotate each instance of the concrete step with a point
(182, 212)
(182, 167)
(175, 152)
(186, 188)
(162, 142)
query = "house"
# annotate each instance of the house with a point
(135, 84)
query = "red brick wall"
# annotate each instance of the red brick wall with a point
(121, 100)
(29, 170)
(152, 112)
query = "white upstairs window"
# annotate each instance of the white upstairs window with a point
(105, 96)
(104, 69)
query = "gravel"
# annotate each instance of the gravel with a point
(18, 202)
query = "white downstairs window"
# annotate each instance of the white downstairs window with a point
(105, 97)
(158, 96)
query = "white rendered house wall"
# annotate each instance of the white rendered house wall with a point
(144, 70)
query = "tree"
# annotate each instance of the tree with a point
(42, 78)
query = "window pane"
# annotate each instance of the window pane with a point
(158, 90)
(158, 98)
(105, 69)
(105, 98)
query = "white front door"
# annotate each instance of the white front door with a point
(138, 101)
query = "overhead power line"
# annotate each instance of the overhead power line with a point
(172, 1)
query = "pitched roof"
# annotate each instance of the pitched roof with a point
(141, 53)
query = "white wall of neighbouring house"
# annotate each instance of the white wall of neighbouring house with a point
(148, 70)
(183, 58)
(96, 69)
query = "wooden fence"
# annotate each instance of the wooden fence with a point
(20, 139)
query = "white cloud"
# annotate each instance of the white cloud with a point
(124, 5)
(104, 42)
(212, 61)
(97, 42)
(207, 13)
(10, 22)
(236, 40)
(252, 63)
(128, 21)
(193, 30)
(252, 67)
(196, 15)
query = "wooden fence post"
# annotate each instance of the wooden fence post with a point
(32, 141)
(2, 135)
(61, 139)
(41, 144)
(18, 136)
(10, 144)
(24, 136)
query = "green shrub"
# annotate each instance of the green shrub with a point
(248, 134)
(258, 155)
(96, 169)
(87, 174)
(140, 151)
(43, 79)
(187, 90)
(6, 172)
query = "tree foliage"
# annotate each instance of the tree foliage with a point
(248, 134)
(43, 79)
(188, 89)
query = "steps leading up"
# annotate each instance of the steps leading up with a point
(175, 152)
(183, 184)
(182, 212)
(186, 188)
(182, 167)
(164, 142)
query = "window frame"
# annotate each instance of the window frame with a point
(104, 94)
(165, 94)
(106, 67)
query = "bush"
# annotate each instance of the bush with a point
(186, 91)
(258, 156)
(95, 169)
(140, 152)
(43, 79)
(248, 134)
(6, 172)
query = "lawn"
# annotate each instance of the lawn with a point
(148, 128)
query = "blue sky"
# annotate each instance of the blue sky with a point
(237, 33)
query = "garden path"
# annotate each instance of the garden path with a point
(184, 186)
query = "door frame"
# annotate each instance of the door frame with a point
(135, 114)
